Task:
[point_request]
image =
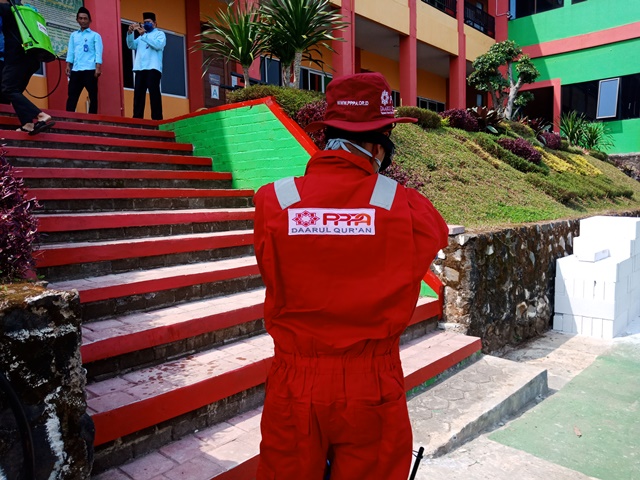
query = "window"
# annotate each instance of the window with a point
(431, 104)
(314, 80)
(524, 8)
(395, 97)
(270, 71)
(174, 68)
(608, 98)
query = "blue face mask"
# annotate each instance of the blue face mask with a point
(148, 27)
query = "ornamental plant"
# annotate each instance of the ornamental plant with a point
(521, 148)
(487, 118)
(397, 172)
(18, 226)
(550, 140)
(234, 34)
(313, 112)
(502, 72)
(460, 118)
(295, 29)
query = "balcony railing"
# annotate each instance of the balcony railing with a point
(447, 6)
(479, 19)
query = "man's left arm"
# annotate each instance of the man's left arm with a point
(157, 41)
(99, 49)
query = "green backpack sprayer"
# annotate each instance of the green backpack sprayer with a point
(33, 32)
(34, 37)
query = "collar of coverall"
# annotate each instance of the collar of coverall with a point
(330, 158)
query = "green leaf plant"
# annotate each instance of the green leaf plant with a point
(502, 87)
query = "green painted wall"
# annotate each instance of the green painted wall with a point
(571, 20)
(606, 61)
(250, 142)
(626, 135)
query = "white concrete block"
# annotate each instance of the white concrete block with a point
(569, 324)
(557, 322)
(587, 250)
(607, 329)
(598, 290)
(596, 327)
(586, 326)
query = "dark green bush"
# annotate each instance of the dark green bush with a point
(290, 99)
(564, 145)
(489, 145)
(521, 129)
(426, 118)
(577, 150)
(599, 155)
(551, 188)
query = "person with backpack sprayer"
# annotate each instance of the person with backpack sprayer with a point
(20, 65)
(342, 251)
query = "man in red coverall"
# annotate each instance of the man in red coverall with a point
(342, 251)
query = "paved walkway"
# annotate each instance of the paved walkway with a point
(589, 426)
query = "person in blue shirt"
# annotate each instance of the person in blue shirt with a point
(149, 47)
(84, 62)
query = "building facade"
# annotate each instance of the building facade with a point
(588, 55)
(423, 47)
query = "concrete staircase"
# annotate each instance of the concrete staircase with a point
(160, 249)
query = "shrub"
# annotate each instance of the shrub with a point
(596, 136)
(564, 144)
(487, 118)
(489, 145)
(550, 140)
(539, 125)
(599, 155)
(290, 99)
(459, 118)
(18, 226)
(426, 118)
(522, 129)
(398, 173)
(521, 148)
(572, 126)
(311, 113)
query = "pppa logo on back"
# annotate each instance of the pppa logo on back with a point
(42, 28)
(332, 221)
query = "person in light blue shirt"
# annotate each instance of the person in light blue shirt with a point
(84, 62)
(147, 66)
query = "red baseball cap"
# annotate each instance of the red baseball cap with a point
(359, 103)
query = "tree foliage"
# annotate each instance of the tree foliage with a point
(234, 34)
(502, 72)
(294, 31)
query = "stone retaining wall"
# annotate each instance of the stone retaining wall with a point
(499, 285)
(40, 357)
(628, 163)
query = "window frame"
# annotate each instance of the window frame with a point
(615, 102)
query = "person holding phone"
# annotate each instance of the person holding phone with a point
(148, 42)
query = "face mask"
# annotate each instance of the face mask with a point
(381, 139)
(148, 27)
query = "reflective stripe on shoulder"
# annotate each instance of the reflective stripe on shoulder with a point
(286, 191)
(384, 192)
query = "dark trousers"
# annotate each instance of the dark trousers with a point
(15, 78)
(147, 79)
(79, 80)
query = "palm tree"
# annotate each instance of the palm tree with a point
(296, 28)
(235, 34)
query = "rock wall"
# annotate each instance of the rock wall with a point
(40, 357)
(499, 285)
(628, 163)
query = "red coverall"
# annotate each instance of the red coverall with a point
(342, 266)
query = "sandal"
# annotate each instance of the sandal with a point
(22, 129)
(42, 126)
